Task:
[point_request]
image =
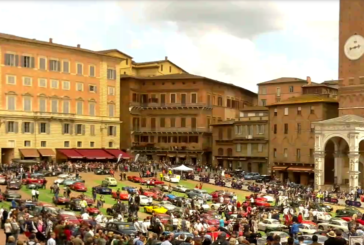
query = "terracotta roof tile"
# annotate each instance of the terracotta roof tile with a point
(307, 98)
(255, 108)
(284, 80)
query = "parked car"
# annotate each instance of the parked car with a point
(92, 210)
(3, 179)
(263, 179)
(11, 195)
(102, 190)
(180, 188)
(270, 225)
(168, 205)
(120, 228)
(68, 182)
(145, 201)
(38, 180)
(75, 204)
(111, 181)
(251, 176)
(334, 223)
(100, 171)
(307, 228)
(14, 185)
(199, 193)
(61, 200)
(89, 200)
(156, 209)
(155, 181)
(348, 212)
(78, 186)
(122, 196)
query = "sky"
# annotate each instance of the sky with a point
(239, 42)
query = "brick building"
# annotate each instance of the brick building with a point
(243, 143)
(169, 116)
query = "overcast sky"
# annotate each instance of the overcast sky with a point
(240, 42)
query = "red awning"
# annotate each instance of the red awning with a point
(117, 152)
(70, 153)
(95, 154)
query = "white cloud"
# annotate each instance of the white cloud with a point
(217, 40)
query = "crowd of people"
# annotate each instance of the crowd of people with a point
(236, 220)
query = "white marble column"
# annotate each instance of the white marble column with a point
(339, 167)
(353, 170)
(319, 169)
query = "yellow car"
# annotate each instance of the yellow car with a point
(156, 209)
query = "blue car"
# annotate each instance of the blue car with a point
(102, 190)
(130, 190)
(170, 197)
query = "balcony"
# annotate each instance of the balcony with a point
(171, 149)
(166, 106)
(170, 130)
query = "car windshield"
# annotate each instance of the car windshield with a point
(126, 227)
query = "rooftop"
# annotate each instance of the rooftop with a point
(227, 122)
(183, 76)
(284, 80)
(52, 44)
(306, 98)
(343, 119)
(157, 62)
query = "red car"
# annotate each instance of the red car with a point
(92, 210)
(258, 203)
(71, 219)
(217, 200)
(360, 221)
(122, 196)
(61, 200)
(136, 179)
(262, 199)
(78, 186)
(148, 193)
(33, 181)
(155, 181)
(44, 204)
(164, 218)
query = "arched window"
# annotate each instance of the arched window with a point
(229, 152)
(220, 152)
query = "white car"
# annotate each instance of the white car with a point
(165, 187)
(323, 216)
(167, 204)
(334, 223)
(270, 225)
(111, 181)
(269, 199)
(180, 188)
(174, 178)
(307, 229)
(145, 201)
(62, 177)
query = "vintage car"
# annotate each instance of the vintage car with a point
(118, 208)
(144, 200)
(39, 180)
(100, 171)
(68, 182)
(136, 179)
(173, 179)
(164, 218)
(14, 185)
(348, 219)
(348, 212)
(102, 190)
(156, 209)
(120, 228)
(78, 186)
(3, 179)
(111, 181)
(308, 228)
(75, 204)
(321, 207)
(130, 189)
(122, 195)
(71, 219)
(180, 188)
(92, 210)
(155, 181)
(150, 194)
(335, 224)
(199, 193)
(11, 195)
(61, 200)
(167, 205)
(258, 203)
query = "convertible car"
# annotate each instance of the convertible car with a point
(14, 185)
(156, 209)
(102, 190)
(61, 200)
(100, 171)
(136, 179)
(122, 195)
(155, 181)
(68, 182)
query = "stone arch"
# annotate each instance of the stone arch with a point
(332, 136)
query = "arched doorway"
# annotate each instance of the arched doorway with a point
(336, 161)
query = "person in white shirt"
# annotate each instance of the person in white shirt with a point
(144, 226)
(301, 209)
(33, 194)
(198, 226)
(137, 226)
(285, 210)
(99, 218)
(85, 216)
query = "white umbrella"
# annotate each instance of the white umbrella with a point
(182, 168)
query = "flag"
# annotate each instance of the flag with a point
(119, 157)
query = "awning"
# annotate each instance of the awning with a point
(93, 154)
(29, 152)
(300, 169)
(46, 152)
(192, 155)
(70, 153)
(279, 168)
(171, 155)
(181, 156)
(117, 152)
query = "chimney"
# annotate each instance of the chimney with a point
(309, 80)
(78, 46)
(166, 58)
(51, 40)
